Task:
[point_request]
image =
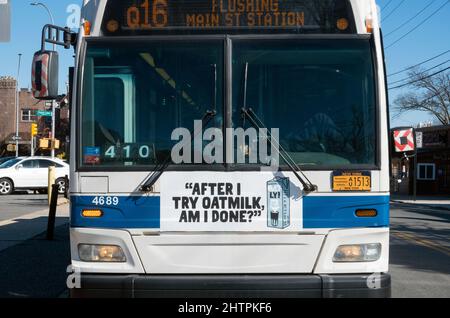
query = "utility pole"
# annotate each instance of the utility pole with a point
(415, 176)
(34, 132)
(53, 128)
(17, 106)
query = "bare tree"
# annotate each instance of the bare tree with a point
(430, 92)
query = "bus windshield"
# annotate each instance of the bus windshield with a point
(136, 95)
(319, 94)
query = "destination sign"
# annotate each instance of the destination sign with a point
(134, 16)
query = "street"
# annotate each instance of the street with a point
(31, 266)
(420, 251)
(16, 205)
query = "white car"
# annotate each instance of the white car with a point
(31, 173)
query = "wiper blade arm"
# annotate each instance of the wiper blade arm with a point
(160, 168)
(308, 186)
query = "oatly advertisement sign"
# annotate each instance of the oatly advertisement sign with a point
(228, 202)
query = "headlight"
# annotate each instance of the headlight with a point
(101, 253)
(358, 253)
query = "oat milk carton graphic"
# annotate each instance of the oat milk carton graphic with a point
(278, 203)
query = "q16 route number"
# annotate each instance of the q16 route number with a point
(106, 201)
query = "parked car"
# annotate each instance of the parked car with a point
(31, 173)
(5, 159)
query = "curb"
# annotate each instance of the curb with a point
(437, 207)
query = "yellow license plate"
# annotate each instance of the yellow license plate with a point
(352, 181)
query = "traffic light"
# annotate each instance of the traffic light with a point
(34, 130)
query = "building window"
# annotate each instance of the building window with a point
(426, 171)
(29, 115)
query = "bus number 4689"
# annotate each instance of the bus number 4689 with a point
(106, 201)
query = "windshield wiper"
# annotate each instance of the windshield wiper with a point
(257, 123)
(160, 168)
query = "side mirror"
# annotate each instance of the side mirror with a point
(44, 75)
(18, 167)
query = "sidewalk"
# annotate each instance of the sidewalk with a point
(437, 202)
(36, 268)
(16, 231)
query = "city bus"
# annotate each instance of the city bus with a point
(226, 148)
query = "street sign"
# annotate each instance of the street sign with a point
(419, 139)
(44, 113)
(404, 140)
(15, 138)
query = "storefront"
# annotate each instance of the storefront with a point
(433, 164)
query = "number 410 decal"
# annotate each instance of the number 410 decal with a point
(129, 151)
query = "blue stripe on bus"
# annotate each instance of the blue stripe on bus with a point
(318, 212)
(339, 211)
(130, 213)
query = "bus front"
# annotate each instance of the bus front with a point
(230, 149)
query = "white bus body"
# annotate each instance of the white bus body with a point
(162, 256)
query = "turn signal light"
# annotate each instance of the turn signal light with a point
(87, 27)
(92, 213)
(366, 213)
(369, 25)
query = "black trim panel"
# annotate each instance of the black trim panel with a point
(231, 286)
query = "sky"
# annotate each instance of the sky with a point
(27, 22)
(428, 40)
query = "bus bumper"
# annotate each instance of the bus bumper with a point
(234, 286)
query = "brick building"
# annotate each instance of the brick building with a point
(28, 107)
(7, 108)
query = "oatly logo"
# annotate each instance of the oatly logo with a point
(278, 198)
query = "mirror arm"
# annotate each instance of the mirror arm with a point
(52, 34)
